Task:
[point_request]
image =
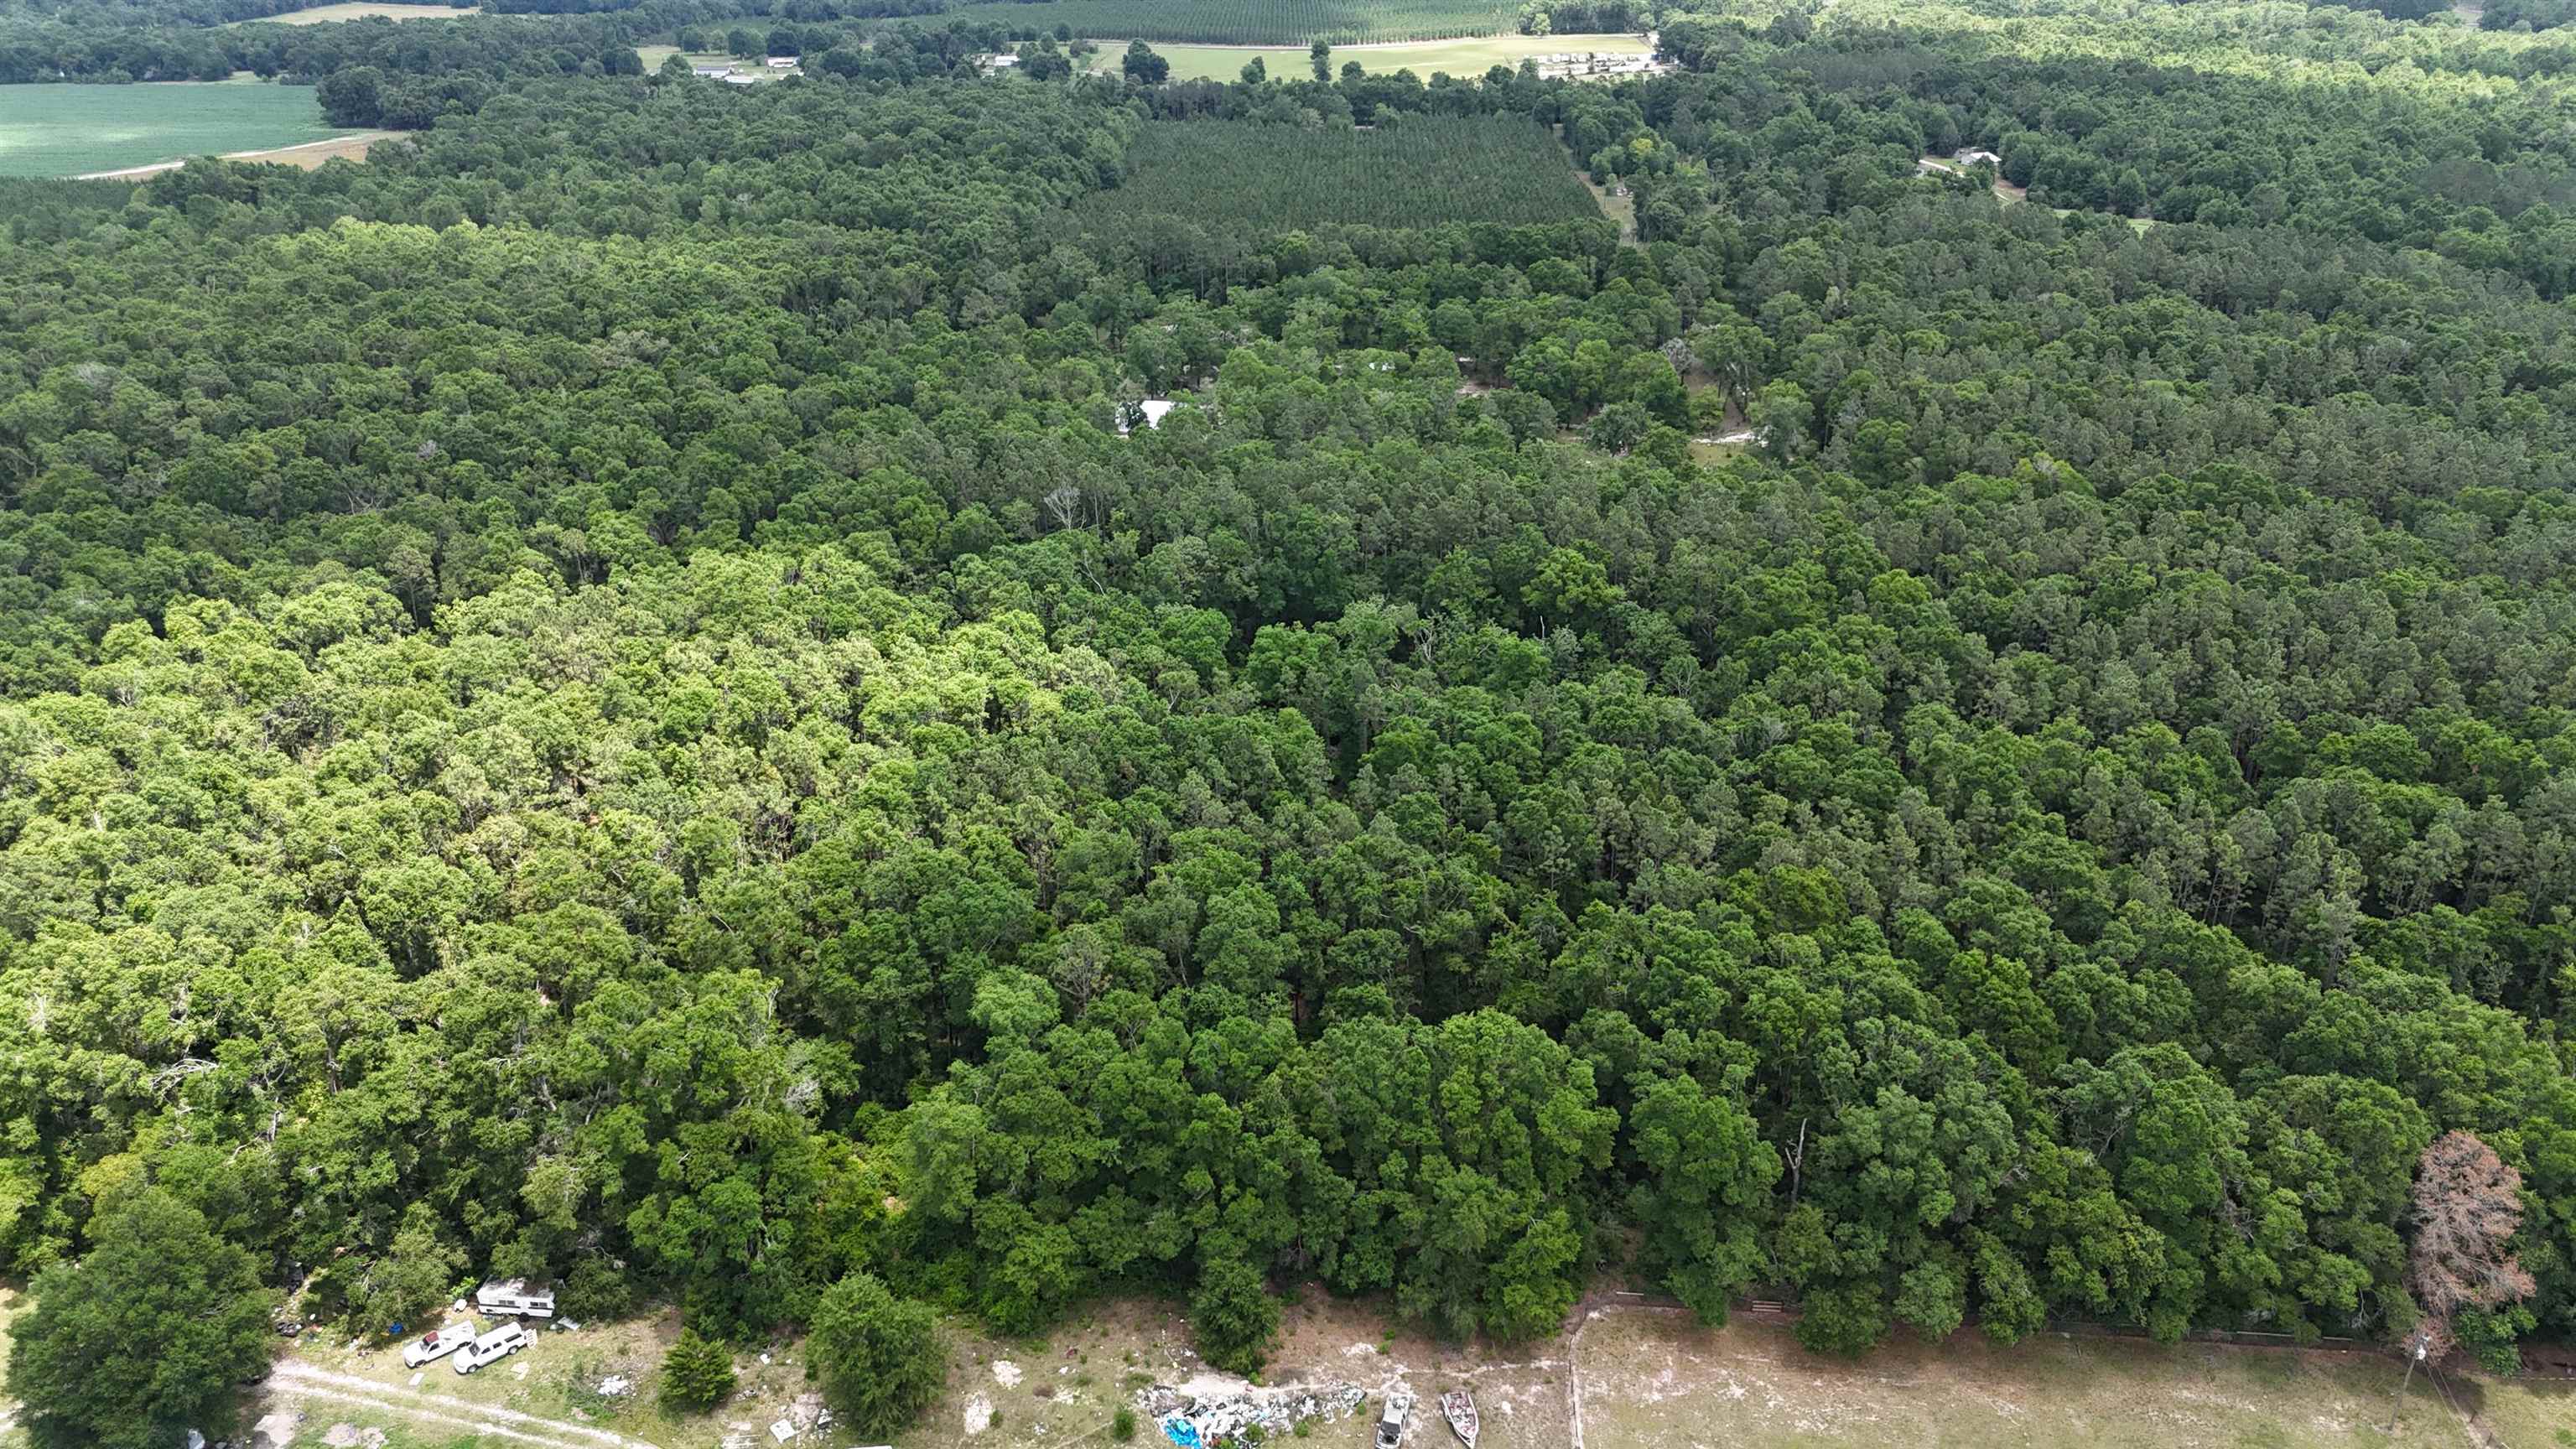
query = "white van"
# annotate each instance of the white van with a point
(515, 1299)
(492, 1347)
(437, 1344)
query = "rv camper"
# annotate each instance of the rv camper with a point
(515, 1299)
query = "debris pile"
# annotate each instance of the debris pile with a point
(1198, 1413)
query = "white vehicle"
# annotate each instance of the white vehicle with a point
(492, 1347)
(515, 1299)
(437, 1344)
(1390, 1425)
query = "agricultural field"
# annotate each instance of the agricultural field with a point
(365, 10)
(1429, 169)
(1257, 22)
(1472, 56)
(73, 130)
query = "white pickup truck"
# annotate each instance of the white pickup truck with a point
(437, 1344)
(492, 1347)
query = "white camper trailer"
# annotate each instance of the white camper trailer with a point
(515, 1299)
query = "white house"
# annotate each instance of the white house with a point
(781, 62)
(711, 72)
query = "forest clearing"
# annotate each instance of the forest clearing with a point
(86, 130)
(1256, 22)
(654, 55)
(1465, 56)
(1647, 1377)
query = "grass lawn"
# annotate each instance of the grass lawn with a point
(1471, 57)
(362, 10)
(1657, 1379)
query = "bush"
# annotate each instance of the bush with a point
(696, 1374)
(1122, 1425)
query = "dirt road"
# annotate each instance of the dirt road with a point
(294, 1380)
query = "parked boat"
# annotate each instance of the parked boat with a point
(1459, 1408)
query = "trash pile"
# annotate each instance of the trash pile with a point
(1211, 1420)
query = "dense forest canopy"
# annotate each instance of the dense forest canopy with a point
(621, 693)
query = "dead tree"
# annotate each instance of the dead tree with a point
(2468, 1205)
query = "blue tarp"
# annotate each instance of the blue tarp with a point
(1182, 1432)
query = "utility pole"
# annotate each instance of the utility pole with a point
(2414, 1356)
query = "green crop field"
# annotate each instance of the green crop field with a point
(1431, 169)
(1468, 56)
(69, 130)
(1258, 22)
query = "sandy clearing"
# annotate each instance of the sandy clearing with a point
(307, 155)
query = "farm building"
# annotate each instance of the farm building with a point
(1593, 65)
(988, 64)
(732, 79)
(782, 62)
(710, 72)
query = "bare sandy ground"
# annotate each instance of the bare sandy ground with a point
(307, 156)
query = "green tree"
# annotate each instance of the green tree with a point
(879, 1358)
(1142, 66)
(1232, 1314)
(414, 1276)
(146, 1336)
(697, 1373)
